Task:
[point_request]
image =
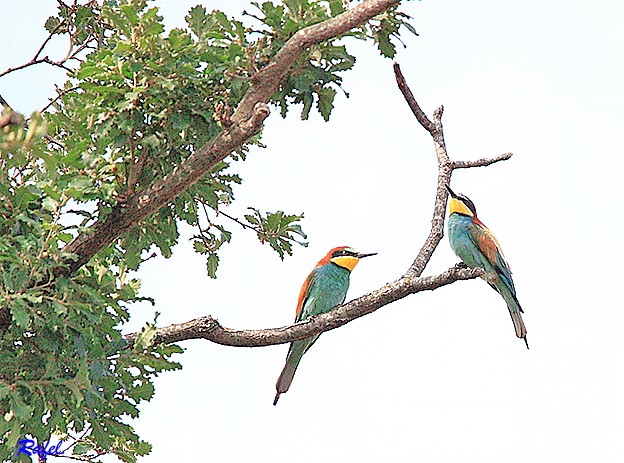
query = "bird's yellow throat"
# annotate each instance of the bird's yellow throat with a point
(457, 206)
(348, 262)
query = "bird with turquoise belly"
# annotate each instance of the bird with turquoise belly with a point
(476, 246)
(325, 288)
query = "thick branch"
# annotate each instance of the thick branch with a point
(210, 329)
(246, 122)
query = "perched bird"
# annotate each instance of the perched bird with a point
(325, 288)
(477, 247)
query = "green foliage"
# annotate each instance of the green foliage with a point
(277, 229)
(385, 27)
(139, 104)
(316, 76)
(64, 360)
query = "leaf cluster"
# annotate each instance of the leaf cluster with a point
(317, 75)
(64, 362)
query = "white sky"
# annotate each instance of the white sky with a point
(436, 377)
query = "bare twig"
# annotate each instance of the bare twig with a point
(151, 256)
(78, 439)
(33, 62)
(481, 162)
(71, 53)
(238, 221)
(411, 101)
(60, 94)
(3, 102)
(45, 42)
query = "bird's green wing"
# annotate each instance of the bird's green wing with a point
(488, 245)
(306, 300)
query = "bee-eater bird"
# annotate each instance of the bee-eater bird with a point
(325, 288)
(477, 247)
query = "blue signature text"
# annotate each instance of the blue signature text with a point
(29, 448)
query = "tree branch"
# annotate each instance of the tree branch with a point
(46, 60)
(209, 328)
(445, 170)
(481, 162)
(15, 118)
(126, 215)
(246, 122)
(444, 174)
(411, 101)
(33, 62)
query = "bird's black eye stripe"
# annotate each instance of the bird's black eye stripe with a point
(343, 252)
(469, 204)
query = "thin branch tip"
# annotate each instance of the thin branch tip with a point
(420, 115)
(484, 162)
(437, 114)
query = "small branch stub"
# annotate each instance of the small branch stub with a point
(481, 162)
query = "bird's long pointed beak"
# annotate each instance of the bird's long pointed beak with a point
(360, 255)
(451, 191)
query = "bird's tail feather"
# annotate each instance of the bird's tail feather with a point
(521, 330)
(515, 311)
(514, 308)
(285, 378)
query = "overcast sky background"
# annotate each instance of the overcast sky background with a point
(439, 376)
